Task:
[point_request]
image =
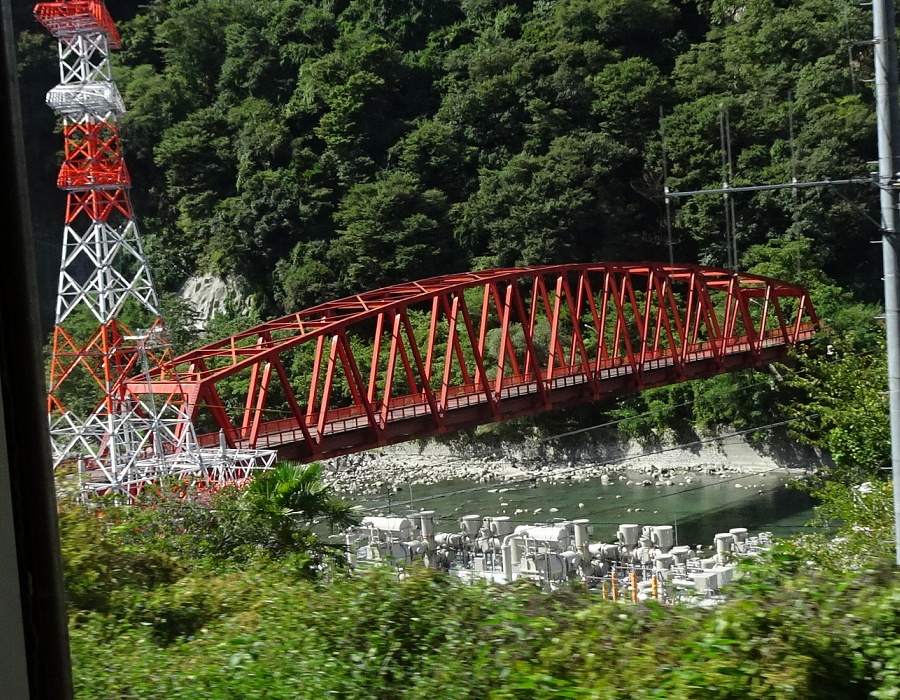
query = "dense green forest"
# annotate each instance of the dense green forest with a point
(319, 148)
(313, 149)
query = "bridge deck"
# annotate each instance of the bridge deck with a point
(347, 430)
(428, 357)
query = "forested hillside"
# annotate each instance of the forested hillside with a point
(316, 148)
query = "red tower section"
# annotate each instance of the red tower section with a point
(119, 438)
(104, 416)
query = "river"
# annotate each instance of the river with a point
(698, 509)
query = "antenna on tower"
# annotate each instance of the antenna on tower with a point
(120, 436)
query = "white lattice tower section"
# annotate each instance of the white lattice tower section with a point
(127, 439)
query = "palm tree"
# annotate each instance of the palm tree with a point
(286, 502)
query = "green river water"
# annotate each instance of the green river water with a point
(698, 510)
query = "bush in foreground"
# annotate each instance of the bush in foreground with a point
(265, 633)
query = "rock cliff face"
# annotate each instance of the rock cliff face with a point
(210, 294)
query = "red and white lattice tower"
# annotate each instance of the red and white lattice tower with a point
(124, 439)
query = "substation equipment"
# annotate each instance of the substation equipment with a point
(640, 562)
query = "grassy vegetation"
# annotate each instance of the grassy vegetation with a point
(157, 612)
(262, 633)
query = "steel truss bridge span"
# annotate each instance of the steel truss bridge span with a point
(425, 358)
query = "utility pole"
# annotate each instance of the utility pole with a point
(884, 40)
(885, 43)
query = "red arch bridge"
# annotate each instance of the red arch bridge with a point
(428, 357)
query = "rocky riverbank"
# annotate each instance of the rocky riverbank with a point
(395, 468)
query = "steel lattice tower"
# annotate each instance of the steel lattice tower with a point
(127, 439)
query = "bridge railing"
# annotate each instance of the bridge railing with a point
(436, 355)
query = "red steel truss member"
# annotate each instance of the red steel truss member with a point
(119, 435)
(424, 358)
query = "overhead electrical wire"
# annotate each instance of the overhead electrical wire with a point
(646, 414)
